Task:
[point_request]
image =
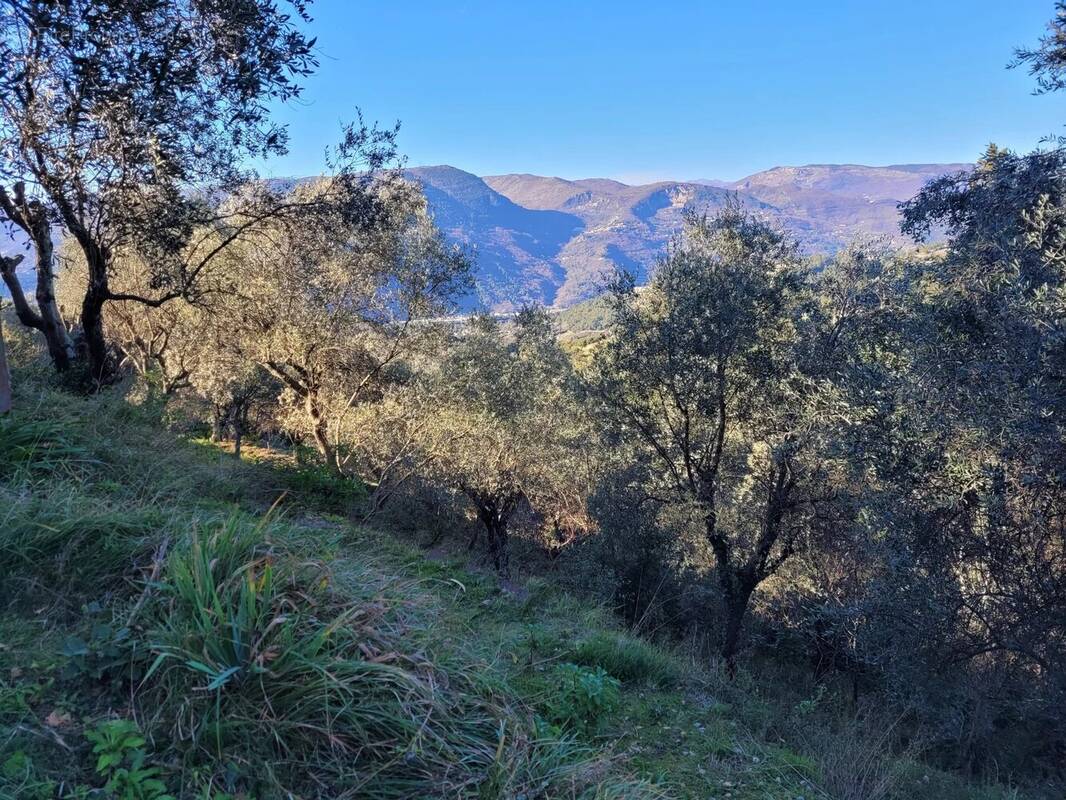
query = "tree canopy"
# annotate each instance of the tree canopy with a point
(119, 119)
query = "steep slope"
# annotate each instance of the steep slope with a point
(623, 226)
(135, 565)
(517, 248)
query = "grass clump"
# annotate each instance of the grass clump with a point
(36, 445)
(628, 659)
(253, 653)
(60, 543)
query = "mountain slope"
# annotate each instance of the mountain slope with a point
(843, 200)
(623, 226)
(557, 241)
(517, 248)
(823, 206)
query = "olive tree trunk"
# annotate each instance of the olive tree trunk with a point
(495, 512)
(320, 431)
(239, 426)
(60, 347)
(737, 598)
(306, 388)
(218, 422)
(739, 576)
(92, 322)
(499, 549)
(32, 217)
(5, 373)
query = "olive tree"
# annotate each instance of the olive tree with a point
(237, 392)
(161, 343)
(1047, 61)
(503, 425)
(32, 217)
(988, 349)
(715, 375)
(329, 301)
(119, 122)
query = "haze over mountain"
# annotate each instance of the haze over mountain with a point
(847, 199)
(556, 241)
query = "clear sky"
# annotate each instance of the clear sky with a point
(674, 89)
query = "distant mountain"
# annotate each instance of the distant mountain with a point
(824, 206)
(557, 241)
(842, 200)
(622, 226)
(517, 247)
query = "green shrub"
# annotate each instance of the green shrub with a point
(109, 655)
(627, 659)
(19, 779)
(582, 697)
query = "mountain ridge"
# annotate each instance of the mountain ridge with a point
(617, 225)
(556, 241)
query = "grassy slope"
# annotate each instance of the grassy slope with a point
(81, 530)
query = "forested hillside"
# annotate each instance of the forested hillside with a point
(557, 242)
(283, 516)
(179, 622)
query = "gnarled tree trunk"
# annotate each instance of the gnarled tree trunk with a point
(218, 422)
(60, 347)
(739, 577)
(737, 596)
(306, 388)
(32, 217)
(239, 425)
(495, 512)
(92, 315)
(320, 431)
(499, 549)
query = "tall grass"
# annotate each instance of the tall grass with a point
(59, 542)
(255, 672)
(628, 659)
(253, 654)
(38, 445)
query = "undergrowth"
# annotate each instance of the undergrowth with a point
(169, 628)
(192, 646)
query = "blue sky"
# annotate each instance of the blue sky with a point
(647, 90)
